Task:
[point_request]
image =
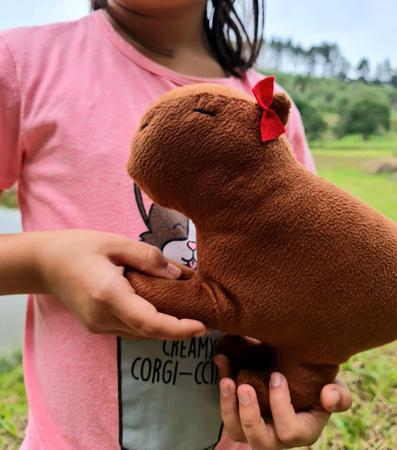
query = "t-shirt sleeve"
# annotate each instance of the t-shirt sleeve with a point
(297, 138)
(10, 108)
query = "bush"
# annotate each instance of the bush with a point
(365, 117)
(313, 120)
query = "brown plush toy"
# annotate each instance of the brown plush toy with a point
(284, 256)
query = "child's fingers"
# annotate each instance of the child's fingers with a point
(229, 410)
(146, 258)
(293, 429)
(336, 397)
(258, 434)
(126, 335)
(283, 413)
(143, 318)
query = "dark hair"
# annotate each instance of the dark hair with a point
(233, 46)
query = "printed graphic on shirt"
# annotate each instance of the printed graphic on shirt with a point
(170, 231)
(168, 390)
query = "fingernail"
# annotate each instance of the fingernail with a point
(225, 389)
(244, 397)
(174, 271)
(335, 398)
(200, 333)
(275, 379)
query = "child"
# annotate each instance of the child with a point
(71, 95)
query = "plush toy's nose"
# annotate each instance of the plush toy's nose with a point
(192, 245)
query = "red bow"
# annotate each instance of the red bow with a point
(271, 125)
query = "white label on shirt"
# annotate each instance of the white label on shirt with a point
(169, 395)
(168, 390)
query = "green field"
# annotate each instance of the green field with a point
(8, 199)
(350, 163)
(372, 421)
(13, 408)
(372, 376)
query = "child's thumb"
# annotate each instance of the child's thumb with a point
(148, 259)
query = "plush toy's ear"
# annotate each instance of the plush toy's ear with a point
(281, 105)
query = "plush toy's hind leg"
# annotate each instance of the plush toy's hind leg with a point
(306, 380)
(251, 363)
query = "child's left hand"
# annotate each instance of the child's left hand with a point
(243, 422)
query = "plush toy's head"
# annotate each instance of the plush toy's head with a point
(197, 141)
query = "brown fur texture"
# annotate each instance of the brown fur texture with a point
(284, 256)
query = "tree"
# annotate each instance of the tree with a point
(313, 121)
(384, 71)
(363, 69)
(344, 69)
(393, 79)
(277, 49)
(324, 50)
(311, 58)
(365, 117)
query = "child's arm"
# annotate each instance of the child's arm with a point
(85, 270)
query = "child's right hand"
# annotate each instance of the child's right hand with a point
(84, 269)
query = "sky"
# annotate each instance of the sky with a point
(360, 27)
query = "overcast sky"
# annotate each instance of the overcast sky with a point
(360, 27)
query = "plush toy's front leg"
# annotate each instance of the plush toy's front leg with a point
(188, 297)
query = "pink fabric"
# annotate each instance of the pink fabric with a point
(71, 95)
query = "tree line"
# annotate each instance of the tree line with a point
(331, 106)
(323, 60)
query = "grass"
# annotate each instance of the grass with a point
(375, 146)
(372, 421)
(371, 376)
(379, 191)
(13, 408)
(9, 199)
(352, 170)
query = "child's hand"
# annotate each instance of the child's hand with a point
(243, 422)
(84, 269)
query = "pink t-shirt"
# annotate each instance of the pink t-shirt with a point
(71, 95)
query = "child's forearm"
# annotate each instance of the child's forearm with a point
(85, 271)
(19, 263)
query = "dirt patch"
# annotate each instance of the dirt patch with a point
(383, 166)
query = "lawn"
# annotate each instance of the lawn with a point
(353, 170)
(376, 146)
(372, 376)
(13, 409)
(8, 199)
(372, 421)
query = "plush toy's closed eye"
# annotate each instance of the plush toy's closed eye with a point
(204, 111)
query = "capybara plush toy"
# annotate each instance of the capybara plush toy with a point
(284, 256)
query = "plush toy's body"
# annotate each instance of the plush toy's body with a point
(284, 256)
